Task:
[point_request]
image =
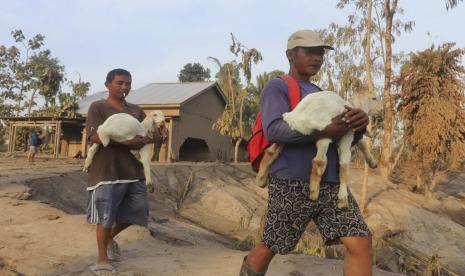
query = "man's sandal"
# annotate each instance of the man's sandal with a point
(103, 270)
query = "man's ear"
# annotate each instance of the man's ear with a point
(106, 84)
(290, 55)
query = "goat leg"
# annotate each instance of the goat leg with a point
(145, 160)
(343, 193)
(318, 167)
(362, 145)
(270, 154)
(90, 156)
(343, 148)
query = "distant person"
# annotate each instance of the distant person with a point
(34, 145)
(289, 207)
(117, 195)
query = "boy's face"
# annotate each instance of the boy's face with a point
(307, 60)
(119, 87)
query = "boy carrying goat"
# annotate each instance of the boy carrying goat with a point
(289, 207)
(117, 193)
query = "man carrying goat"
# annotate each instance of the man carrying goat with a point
(289, 207)
(117, 194)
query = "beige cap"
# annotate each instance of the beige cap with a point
(306, 38)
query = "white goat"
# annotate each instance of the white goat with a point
(122, 127)
(315, 112)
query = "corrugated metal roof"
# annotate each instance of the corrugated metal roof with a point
(154, 93)
(167, 93)
(85, 103)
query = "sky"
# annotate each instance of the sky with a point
(154, 39)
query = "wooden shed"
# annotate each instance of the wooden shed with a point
(68, 131)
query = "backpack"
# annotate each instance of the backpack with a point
(258, 143)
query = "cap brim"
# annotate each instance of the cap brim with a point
(313, 46)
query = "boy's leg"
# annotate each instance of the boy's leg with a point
(118, 228)
(103, 236)
(134, 208)
(357, 260)
(101, 210)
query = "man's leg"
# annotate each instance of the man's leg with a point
(357, 261)
(345, 225)
(284, 223)
(259, 258)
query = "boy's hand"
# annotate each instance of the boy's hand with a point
(137, 142)
(356, 118)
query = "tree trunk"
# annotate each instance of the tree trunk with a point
(371, 87)
(398, 156)
(233, 103)
(386, 145)
(418, 181)
(363, 200)
(31, 101)
(371, 90)
(236, 150)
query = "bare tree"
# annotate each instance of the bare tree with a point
(231, 121)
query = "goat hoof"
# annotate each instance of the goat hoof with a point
(342, 203)
(260, 182)
(314, 195)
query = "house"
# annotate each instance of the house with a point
(191, 109)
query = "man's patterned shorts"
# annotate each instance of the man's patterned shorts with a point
(290, 210)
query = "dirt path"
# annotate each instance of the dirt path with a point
(38, 239)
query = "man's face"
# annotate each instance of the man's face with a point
(307, 60)
(119, 87)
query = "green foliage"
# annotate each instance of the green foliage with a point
(68, 102)
(46, 77)
(231, 122)
(31, 80)
(450, 4)
(432, 105)
(253, 99)
(194, 73)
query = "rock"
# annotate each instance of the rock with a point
(53, 217)
(24, 196)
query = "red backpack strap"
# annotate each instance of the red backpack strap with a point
(293, 90)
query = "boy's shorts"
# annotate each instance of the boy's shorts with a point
(34, 149)
(118, 203)
(290, 210)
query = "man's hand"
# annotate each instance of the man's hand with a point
(336, 129)
(356, 118)
(137, 142)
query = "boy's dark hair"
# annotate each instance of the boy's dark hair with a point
(116, 72)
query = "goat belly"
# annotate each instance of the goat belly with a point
(315, 112)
